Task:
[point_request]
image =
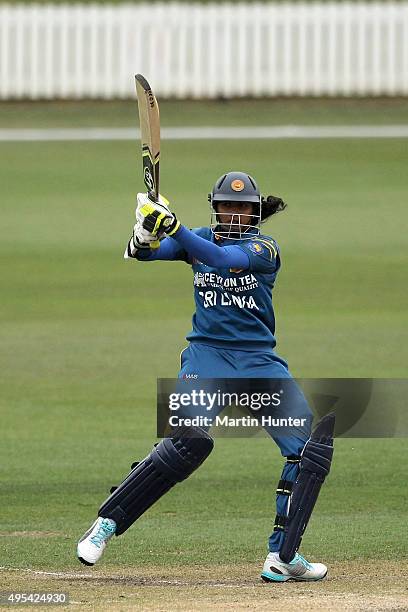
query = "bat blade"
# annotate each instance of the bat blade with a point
(150, 135)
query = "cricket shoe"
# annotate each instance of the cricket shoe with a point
(275, 570)
(93, 542)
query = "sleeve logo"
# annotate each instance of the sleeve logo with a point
(256, 247)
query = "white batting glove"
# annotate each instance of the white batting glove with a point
(140, 240)
(156, 217)
(144, 239)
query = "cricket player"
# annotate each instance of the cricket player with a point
(234, 270)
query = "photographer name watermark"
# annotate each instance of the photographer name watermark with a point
(244, 421)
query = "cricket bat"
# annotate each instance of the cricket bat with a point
(149, 119)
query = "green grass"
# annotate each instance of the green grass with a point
(84, 336)
(55, 485)
(272, 111)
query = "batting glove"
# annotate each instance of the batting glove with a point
(141, 240)
(144, 239)
(156, 217)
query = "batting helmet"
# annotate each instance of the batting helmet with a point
(235, 187)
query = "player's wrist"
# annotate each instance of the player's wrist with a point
(178, 230)
(173, 227)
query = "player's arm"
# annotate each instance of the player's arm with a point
(144, 248)
(158, 219)
(209, 253)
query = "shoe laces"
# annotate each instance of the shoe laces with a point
(306, 564)
(105, 531)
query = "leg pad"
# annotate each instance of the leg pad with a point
(314, 466)
(171, 460)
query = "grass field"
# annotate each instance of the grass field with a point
(85, 335)
(277, 111)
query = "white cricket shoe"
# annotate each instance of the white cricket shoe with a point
(275, 570)
(93, 542)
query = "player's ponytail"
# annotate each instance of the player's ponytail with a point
(270, 205)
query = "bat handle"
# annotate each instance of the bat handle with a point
(153, 197)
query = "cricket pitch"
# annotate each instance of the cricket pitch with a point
(349, 586)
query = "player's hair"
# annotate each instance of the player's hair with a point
(270, 205)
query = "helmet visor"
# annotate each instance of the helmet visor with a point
(235, 226)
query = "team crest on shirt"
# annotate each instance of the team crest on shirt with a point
(256, 247)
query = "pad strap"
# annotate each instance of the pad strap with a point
(284, 487)
(280, 522)
(293, 459)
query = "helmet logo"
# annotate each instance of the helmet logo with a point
(237, 185)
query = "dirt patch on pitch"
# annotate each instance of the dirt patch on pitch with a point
(353, 586)
(31, 534)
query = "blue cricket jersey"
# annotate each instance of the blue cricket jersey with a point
(234, 307)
